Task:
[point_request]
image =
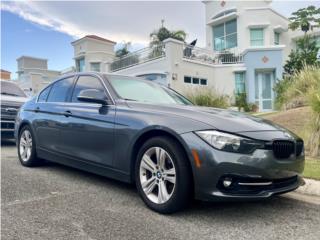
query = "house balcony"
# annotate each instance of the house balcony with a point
(138, 57)
(202, 55)
(175, 51)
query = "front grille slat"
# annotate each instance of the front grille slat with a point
(299, 147)
(283, 148)
(9, 112)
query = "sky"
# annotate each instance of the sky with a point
(45, 29)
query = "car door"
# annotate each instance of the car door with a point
(48, 113)
(87, 132)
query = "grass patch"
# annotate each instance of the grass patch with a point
(264, 114)
(208, 98)
(312, 168)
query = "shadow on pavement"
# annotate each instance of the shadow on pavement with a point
(278, 205)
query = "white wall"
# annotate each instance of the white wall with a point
(250, 14)
(94, 51)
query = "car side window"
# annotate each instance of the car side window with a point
(60, 90)
(86, 82)
(44, 94)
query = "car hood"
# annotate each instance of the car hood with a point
(221, 119)
(5, 99)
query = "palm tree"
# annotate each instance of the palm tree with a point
(158, 36)
(124, 50)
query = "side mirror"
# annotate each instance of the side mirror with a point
(93, 96)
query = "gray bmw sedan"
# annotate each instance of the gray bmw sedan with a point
(140, 132)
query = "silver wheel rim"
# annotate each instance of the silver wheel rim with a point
(25, 145)
(157, 175)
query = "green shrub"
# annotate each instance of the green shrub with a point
(280, 89)
(208, 98)
(305, 87)
(241, 102)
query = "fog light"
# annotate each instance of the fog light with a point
(227, 182)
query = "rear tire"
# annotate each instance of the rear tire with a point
(165, 183)
(27, 148)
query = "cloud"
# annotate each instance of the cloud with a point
(117, 21)
(30, 12)
(122, 20)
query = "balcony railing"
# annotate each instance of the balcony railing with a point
(138, 57)
(231, 56)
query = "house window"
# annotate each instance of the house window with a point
(276, 38)
(203, 81)
(224, 13)
(225, 35)
(195, 80)
(187, 79)
(317, 39)
(240, 86)
(95, 66)
(80, 64)
(256, 37)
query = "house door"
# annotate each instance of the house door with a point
(263, 90)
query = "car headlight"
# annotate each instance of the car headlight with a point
(229, 142)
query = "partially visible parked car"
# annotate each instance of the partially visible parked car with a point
(12, 98)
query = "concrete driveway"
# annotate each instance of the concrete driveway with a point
(57, 202)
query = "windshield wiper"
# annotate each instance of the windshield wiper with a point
(10, 94)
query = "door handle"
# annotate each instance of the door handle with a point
(67, 113)
(37, 109)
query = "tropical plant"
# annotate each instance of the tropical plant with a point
(280, 88)
(306, 85)
(241, 102)
(208, 98)
(304, 17)
(158, 36)
(304, 54)
(124, 50)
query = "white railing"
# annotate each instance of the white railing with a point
(138, 57)
(232, 56)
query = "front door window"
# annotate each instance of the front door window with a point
(263, 90)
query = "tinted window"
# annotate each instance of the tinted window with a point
(44, 95)
(60, 90)
(11, 89)
(86, 82)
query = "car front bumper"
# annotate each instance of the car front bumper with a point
(7, 128)
(253, 176)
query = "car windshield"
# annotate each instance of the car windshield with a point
(134, 89)
(11, 89)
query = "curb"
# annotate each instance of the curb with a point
(311, 187)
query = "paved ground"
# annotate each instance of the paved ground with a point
(56, 202)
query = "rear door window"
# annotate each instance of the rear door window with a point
(60, 90)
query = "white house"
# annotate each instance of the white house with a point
(247, 44)
(33, 74)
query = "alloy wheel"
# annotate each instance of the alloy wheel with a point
(157, 175)
(25, 145)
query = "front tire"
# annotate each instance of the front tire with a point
(163, 176)
(27, 148)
